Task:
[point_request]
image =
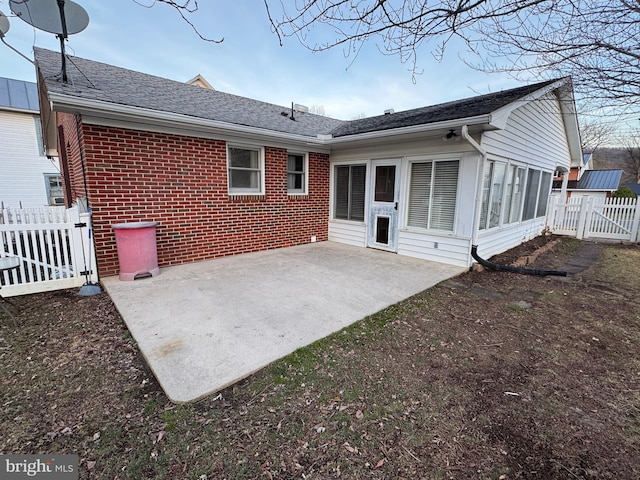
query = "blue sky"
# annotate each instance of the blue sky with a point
(250, 62)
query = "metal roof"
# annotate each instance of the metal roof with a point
(600, 180)
(18, 95)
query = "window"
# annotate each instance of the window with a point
(493, 185)
(543, 197)
(53, 184)
(349, 192)
(531, 194)
(432, 195)
(245, 167)
(296, 173)
(515, 190)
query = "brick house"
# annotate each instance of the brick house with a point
(224, 175)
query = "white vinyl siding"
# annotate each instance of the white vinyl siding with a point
(432, 195)
(22, 167)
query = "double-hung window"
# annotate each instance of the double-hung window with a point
(433, 191)
(297, 166)
(349, 192)
(246, 170)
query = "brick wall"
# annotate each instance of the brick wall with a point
(181, 183)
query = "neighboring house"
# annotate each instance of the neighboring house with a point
(27, 177)
(224, 175)
(595, 183)
(635, 187)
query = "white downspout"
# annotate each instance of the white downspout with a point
(479, 176)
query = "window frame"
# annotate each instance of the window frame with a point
(50, 196)
(334, 194)
(305, 174)
(432, 204)
(260, 190)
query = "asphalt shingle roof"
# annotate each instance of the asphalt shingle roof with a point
(466, 108)
(98, 81)
(18, 94)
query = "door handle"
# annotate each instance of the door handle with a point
(396, 206)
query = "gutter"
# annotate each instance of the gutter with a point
(97, 109)
(101, 112)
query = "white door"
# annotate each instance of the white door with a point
(383, 207)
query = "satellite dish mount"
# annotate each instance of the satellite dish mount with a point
(61, 17)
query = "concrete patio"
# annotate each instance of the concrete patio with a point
(203, 326)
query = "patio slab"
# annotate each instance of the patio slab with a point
(203, 326)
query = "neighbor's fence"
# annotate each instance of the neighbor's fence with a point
(52, 245)
(592, 217)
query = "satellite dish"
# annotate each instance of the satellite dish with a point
(46, 15)
(4, 24)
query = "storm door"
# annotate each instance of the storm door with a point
(383, 208)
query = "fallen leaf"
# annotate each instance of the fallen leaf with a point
(380, 463)
(91, 464)
(359, 415)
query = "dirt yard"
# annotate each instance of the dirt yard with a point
(490, 375)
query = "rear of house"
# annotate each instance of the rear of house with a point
(224, 175)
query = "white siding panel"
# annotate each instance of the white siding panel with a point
(443, 249)
(350, 233)
(495, 241)
(22, 168)
(534, 134)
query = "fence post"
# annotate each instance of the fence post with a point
(582, 217)
(89, 247)
(635, 224)
(551, 216)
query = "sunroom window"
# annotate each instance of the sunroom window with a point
(349, 193)
(432, 194)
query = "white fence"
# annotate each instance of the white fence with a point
(53, 246)
(592, 217)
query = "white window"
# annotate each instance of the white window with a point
(543, 197)
(246, 170)
(515, 193)
(531, 195)
(433, 188)
(53, 184)
(349, 192)
(297, 166)
(492, 191)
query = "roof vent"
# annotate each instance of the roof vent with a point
(389, 111)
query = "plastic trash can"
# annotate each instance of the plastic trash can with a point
(137, 252)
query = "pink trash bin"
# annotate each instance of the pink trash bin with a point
(137, 253)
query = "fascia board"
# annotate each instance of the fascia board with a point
(110, 114)
(391, 134)
(500, 116)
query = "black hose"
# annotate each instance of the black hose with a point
(509, 268)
